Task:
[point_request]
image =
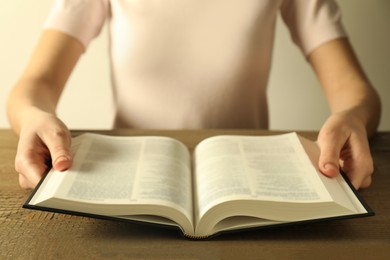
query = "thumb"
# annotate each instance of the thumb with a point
(330, 150)
(59, 146)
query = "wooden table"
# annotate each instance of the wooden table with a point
(27, 234)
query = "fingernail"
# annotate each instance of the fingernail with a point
(331, 169)
(331, 166)
(61, 163)
(62, 158)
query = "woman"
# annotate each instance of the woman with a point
(193, 64)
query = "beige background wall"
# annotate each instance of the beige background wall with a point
(296, 101)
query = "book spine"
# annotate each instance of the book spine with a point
(194, 237)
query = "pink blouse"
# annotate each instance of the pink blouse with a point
(194, 63)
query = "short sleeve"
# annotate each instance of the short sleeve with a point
(312, 22)
(82, 19)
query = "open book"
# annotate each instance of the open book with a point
(228, 183)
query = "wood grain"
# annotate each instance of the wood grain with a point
(27, 234)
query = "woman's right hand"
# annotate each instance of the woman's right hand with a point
(44, 142)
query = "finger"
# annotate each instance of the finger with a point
(31, 166)
(366, 183)
(24, 183)
(358, 163)
(361, 184)
(58, 142)
(30, 161)
(331, 145)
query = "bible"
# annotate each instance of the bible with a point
(227, 183)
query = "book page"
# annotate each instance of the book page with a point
(337, 186)
(129, 170)
(271, 168)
